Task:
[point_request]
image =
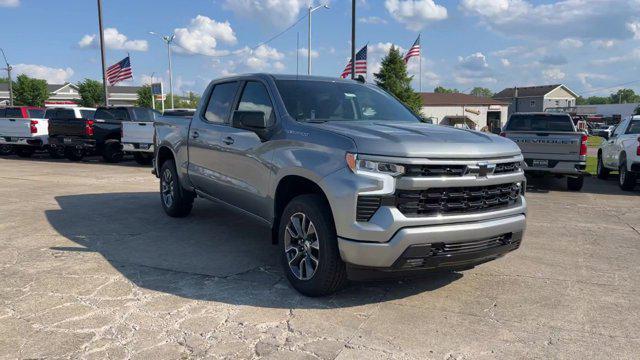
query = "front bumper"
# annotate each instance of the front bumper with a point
(137, 147)
(426, 247)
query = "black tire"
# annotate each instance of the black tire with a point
(176, 201)
(56, 152)
(24, 151)
(6, 150)
(143, 158)
(626, 179)
(73, 154)
(575, 183)
(112, 152)
(330, 274)
(603, 172)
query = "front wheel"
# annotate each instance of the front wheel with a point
(603, 172)
(24, 151)
(309, 247)
(112, 152)
(626, 179)
(176, 201)
(575, 183)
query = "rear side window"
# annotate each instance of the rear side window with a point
(219, 105)
(36, 113)
(88, 114)
(535, 122)
(143, 115)
(112, 114)
(634, 127)
(13, 113)
(256, 98)
(59, 114)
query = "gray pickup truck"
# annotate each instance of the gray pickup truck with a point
(551, 145)
(345, 175)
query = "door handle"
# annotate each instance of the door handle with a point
(228, 140)
(195, 135)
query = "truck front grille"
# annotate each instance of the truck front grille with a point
(367, 206)
(441, 201)
(454, 170)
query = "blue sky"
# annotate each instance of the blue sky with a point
(593, 46)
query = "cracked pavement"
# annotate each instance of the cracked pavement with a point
(91, 268)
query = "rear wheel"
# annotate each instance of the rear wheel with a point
(143, 158)
(73, 154)
(575, 183)
(309, 247)
(626, 179)
(603, 172)
(176, 201)
(6, 150)
(112, 151)
(24, 151)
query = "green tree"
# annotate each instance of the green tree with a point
(481, 92)
(637, 111)
(91, 93)
(443, 90)
(29, 91)
(144, 96)
(624, 96)
(593, 100)
(394, 79)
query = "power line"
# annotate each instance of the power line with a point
(610, 87)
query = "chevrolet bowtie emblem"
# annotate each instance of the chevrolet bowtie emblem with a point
(481, 169)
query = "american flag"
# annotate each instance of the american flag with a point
(414, 51)
(119, 71)
(361, 64)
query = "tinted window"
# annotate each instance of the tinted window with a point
(219, 104)
(540, 122)
(256, 98)
(13, 113)
(88, 114)
(180, 113)
(2, 112)
(344, 101)
(59, 114)
(634, 127)
(36, 113)
(112, 114)
(143, 114)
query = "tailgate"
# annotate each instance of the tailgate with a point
(15, 127)
(137, 132)
(547, 145)
(67, 127)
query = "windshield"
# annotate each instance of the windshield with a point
(540, 122)
(309, 100)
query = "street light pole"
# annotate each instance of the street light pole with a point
(310, 10)
(353, 39)
(104, 65)
(8, 68)
(168, 39)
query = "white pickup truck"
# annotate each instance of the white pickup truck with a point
(137, 135)
(24, 129)
(621, 152)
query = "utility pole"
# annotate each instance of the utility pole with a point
(168, 39)
(8, 68)
(104, 65)
(310, 10)
(353, 39)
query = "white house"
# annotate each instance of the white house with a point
(67, 94)
(457, 109)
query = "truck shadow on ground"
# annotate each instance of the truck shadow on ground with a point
(127, 161)
(592, 185)
(216, 253)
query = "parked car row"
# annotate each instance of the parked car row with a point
(620, 152)
(76, 132)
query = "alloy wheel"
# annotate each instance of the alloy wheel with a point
(301, 246)
(167, 188)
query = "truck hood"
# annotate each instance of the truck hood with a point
(404, 139)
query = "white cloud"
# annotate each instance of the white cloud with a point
(473, 62)
(415, 14)
(631, 56)
(202, 36)
(52, 75)
(113, 39)
(604, 44)
(374, 20)
(276, 13)
(303, 53)
(553, 74)
(473, 69)
(634, 27)
(578, 19)
(9, 3)
(264, 58)
(571, 43)
(505, 62)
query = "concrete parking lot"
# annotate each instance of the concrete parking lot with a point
(90, 267)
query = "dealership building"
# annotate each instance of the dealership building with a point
(67, 94)
(462, 110)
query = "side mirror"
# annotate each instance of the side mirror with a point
(250, 120)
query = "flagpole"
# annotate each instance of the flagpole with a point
(353, 39)
(420, 56)
(104, 70)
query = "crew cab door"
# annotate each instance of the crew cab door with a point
(611, 147)
(205, 147)
(242, 162)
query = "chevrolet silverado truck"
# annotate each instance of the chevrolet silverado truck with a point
(345, 176)
(60, 117)
(551, 145)
(621, 152)
(137, 136)
(23, 130)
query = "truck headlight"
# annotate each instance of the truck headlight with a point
(362, 165)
